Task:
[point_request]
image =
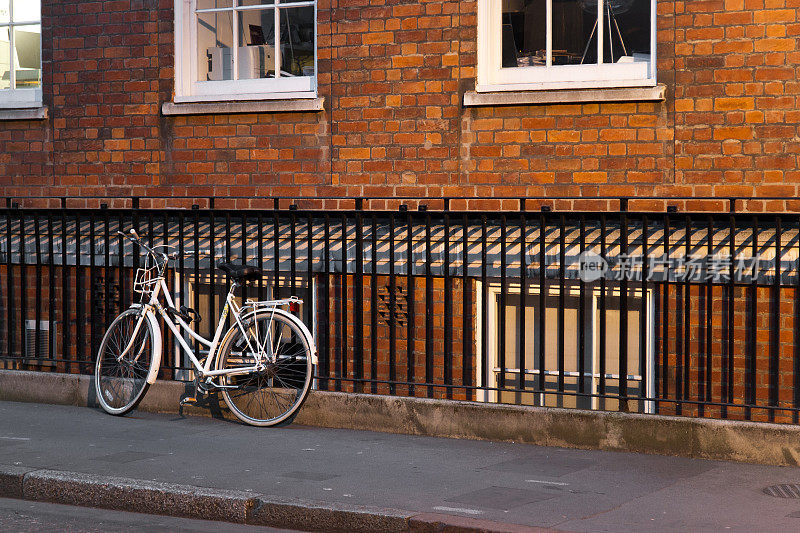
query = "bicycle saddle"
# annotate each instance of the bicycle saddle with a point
(240, 272)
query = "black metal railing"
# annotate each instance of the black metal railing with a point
(694, 313)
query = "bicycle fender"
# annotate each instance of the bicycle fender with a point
(156, 364)
(312, 344)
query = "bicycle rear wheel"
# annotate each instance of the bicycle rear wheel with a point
(121, 382)
(273, 394)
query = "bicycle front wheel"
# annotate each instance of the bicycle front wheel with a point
(275, 392)
(121, 377)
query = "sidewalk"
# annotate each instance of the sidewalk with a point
(68, 454)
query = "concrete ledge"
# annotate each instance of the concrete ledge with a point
(775, 444)
(566, 96)
(31, 113)
(256, 106)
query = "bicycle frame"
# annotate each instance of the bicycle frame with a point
(204, 370)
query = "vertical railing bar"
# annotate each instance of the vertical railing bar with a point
(582, 309)
(562, 289)
(466, 315)
(796, 336)
(392, 310)
(727, 333)
(169, 347)
(93, 344)
(623, 311)
(373, 308)
(602, 333)
(293, 251)
(276, 251)
(107, 267)
(523, 295)
(750, 365)
(774, 321)
(643, 369)
(687, 288)
(38, 291)
(23, 262)
(501, 328)
(212, 265)
(65, 296)
(183, 281)
(665, 314)
(358, 311)
(51, 289)
(243, 240)
(325, 360)
(709, 317)
(448, 311)
(309, 301)
(702, 350)
(484, 307)
(679, 329)
(428, 307)
(228, 258)
(196, 291)
(260, 251)
(410, 336)
(79, 295)
(343, 300)
(542, 304)
(10, 293)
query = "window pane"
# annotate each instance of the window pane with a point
(256, 2)
(626, 29)
(5, 59)
(27, 44)
(27, 10)
(524, 33)
(214, 44)
(211, 4)
(5, 14)
(297, 41)
(256, 44)
(574, 32)
(632, 17)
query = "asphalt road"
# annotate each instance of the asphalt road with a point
(18, 516)
(573, 490)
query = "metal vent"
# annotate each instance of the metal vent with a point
(787, 490)
(46, 335)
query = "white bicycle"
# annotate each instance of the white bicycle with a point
(262, 365)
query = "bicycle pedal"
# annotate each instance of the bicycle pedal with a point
(188, 401)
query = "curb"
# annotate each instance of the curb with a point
(153, 497)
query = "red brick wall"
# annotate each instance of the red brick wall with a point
(393, 74)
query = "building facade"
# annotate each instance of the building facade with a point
(396, 98)
(495, 105)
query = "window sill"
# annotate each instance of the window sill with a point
(256, 106)
(26, 113)
(566, 96)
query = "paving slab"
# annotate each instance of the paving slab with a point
(313, 470)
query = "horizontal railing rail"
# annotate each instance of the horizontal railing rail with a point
(656, 311)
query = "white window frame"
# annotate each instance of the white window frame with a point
(592, 336)
(187, 89)
(13, 98)
(493, 77)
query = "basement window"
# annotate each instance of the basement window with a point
(582, 369)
